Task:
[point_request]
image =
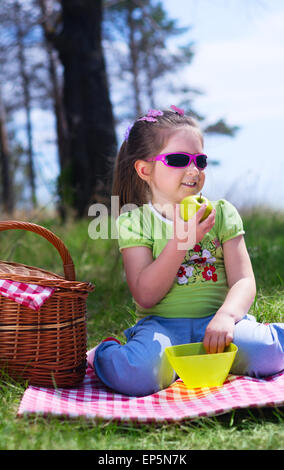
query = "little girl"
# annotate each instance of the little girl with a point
(191, 281)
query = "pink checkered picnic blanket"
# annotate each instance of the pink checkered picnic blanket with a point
(94, 401)
(30, 295)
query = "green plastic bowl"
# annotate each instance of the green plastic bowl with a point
(197, 368)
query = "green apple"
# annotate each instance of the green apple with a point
(191, 204)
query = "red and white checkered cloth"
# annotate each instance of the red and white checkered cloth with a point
(94, 401)
(30, 295)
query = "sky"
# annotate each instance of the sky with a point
(239, 66)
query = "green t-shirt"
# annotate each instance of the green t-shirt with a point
(201, 285)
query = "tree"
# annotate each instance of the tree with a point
(149, 61)
(7, 195)
(20, 33)
(50, 17)
(52, 57)
(88, 110)
(151, 65)
(20, 68)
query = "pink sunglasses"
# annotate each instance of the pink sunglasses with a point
(181, 160)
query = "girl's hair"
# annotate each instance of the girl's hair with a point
(145, 139)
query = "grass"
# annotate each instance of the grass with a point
(109, 313)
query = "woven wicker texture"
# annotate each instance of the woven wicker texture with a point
(46, 347)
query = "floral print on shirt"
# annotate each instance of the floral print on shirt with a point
(198, 264)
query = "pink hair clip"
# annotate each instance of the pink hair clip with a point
(180, 111)
(127, 132)
(155, 112)
(147, 118)
(151, 115)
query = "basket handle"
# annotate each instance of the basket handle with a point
(68, 265)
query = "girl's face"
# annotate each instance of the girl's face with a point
(171, 185)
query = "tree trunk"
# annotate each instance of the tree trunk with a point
(6, 183)
(27, 101)
(87, 104)
(59, 112)
(62, 134)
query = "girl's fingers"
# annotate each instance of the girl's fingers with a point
(206, 343)
(209, 221)
(229, 339)
(221, 343)
(214, 343)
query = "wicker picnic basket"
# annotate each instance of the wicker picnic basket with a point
(47, 347)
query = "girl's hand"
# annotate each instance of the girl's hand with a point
(219, 332)
(191, 232)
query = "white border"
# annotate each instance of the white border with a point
(160, 216)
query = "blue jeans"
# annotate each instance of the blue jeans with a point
(140, 366)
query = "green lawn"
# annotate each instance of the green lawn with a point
(109, 313)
